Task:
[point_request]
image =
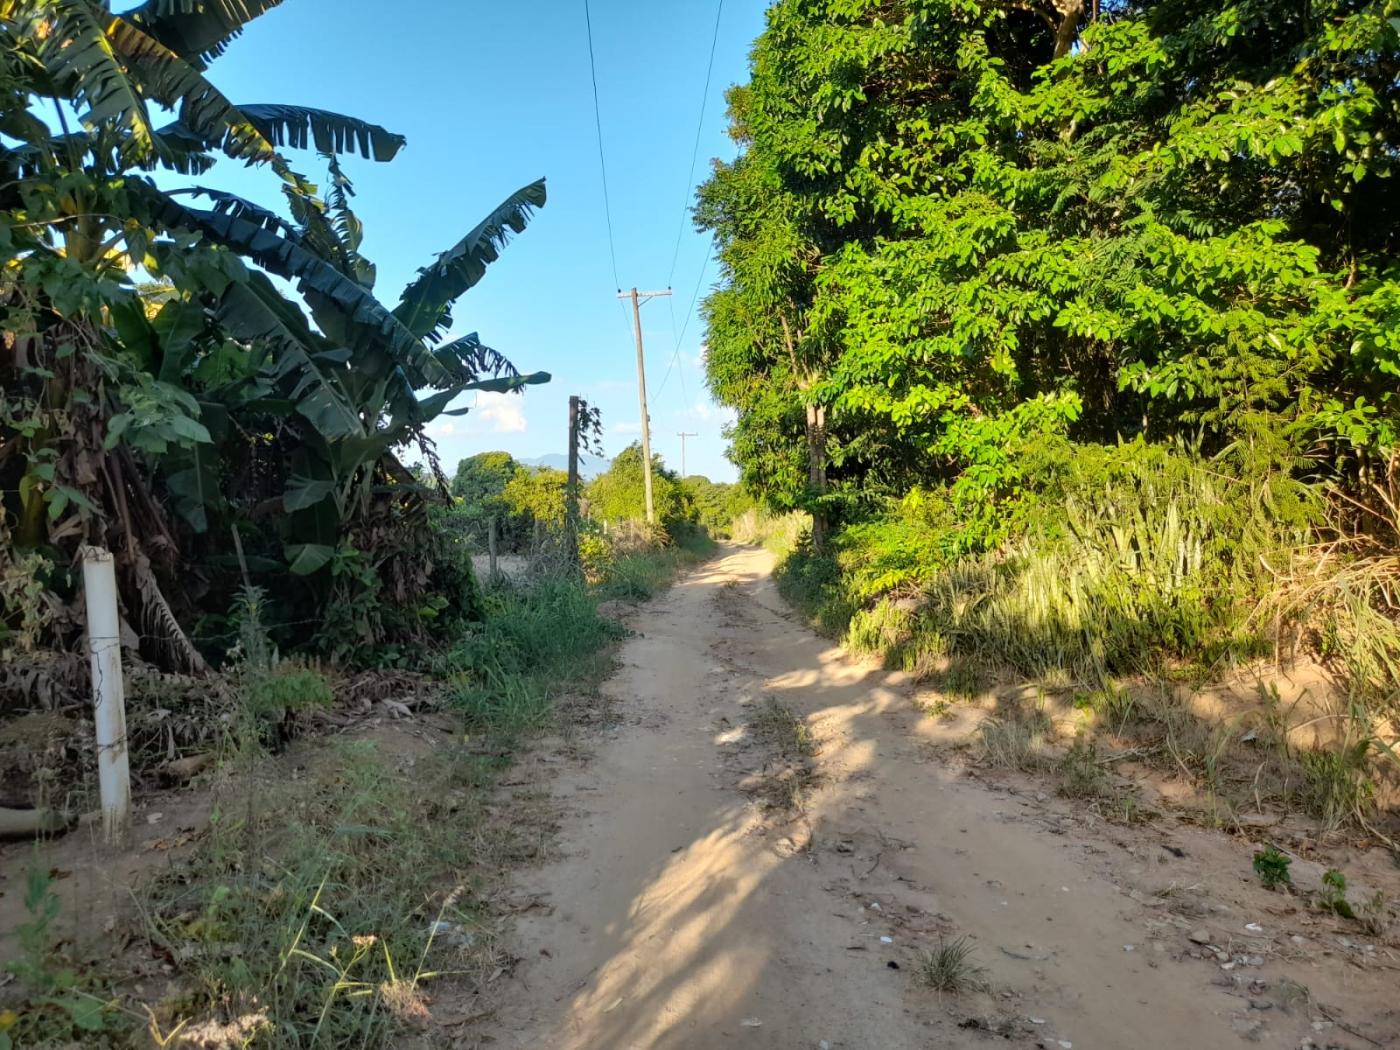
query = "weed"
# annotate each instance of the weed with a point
(506, 673)
(951, 967)
(1130, 812)
(787, 783)
(1018, 741)
(779, 533)
(1337, 785)
(276, 697)
(962, 680)
(780, 726)
(1271, 865)
(883, 631)
(1333, 895)
(57, 1006)
(1081, 774)
(1374, 916)
(301, 911)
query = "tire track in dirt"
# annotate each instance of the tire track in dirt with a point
(684, 914)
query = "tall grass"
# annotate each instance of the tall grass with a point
(1138, 563)
(543, 635)
(537, 639)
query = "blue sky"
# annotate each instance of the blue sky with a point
(492, 95)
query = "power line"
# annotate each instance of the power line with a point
(694, 298)
(598, 126)
(695, 151)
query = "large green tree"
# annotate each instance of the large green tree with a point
(1023, 226)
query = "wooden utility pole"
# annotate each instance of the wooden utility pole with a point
(571, 487)
(683, 435)
(637, 298)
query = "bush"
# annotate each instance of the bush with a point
(507, 670)
(1121, 562)
(619, 494)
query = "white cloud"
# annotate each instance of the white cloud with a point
(627, 428)
(501, 413)
(444, 428)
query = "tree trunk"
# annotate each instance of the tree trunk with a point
(816, 471)
(1068, 30)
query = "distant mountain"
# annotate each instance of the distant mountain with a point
(589, 467)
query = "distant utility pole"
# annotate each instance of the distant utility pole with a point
(637, 298)
(683, 435)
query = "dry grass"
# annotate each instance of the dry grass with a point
(788, 781)
(1020, 740)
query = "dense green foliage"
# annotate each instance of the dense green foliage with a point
(964, 249)
(1080, 321)
(493, 485)
(619, 493)
(159, 395)
(717, 504)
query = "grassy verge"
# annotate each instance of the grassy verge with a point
(1124, 594)
(340, 878)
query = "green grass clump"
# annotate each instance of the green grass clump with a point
(286, 687)
(951, 967)
(535, 641)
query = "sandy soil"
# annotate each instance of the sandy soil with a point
(682, 912)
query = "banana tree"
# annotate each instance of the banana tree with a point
(96, 378)
(352, 380)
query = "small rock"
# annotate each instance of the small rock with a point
(1199, 937)
(1253, 927)
(751, 1022)
(1299, 941)
(886, 940)
(1260, 1004)
(1127, 947)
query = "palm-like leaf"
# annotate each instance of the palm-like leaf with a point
(82, 61)
(467, 359)
(256, 312)
(204, 109)
(225, 203)
(349, 231)
(197, 30)
(364, 317)
(301, 126)
(426, 303)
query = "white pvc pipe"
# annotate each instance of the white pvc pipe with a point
(108, 695)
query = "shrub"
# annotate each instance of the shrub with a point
(1271, 865)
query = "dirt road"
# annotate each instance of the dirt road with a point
(684, 912)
